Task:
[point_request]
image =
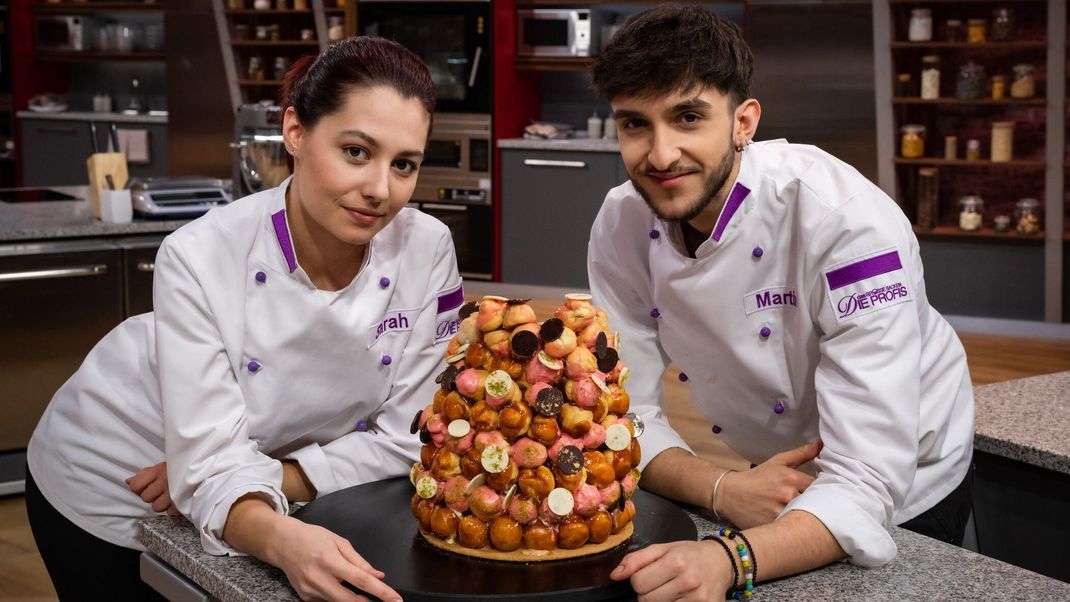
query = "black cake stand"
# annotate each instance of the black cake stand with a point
(377, 519)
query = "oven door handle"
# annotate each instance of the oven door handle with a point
(440, 207)
(89, 270)
(475, 67)
(552, 163)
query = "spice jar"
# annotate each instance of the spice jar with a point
(970, 209)
(970, 84)
(999, 86)
(951, 147)
(241, 32)
(903, 86)
(1028, 216)
(273, 33)
(300, 4)
(928, 197)
(1024, 84)
(235, 4)
(308, 34)
(954, 31)
(930, 77)
(973, 149)
(335, 31)
(281, 65)
(921, 25)
(1002, 140)
(1002, 25)
(256, 68)
(261, 32)
(912, 143)
(262, 4)
(975, 31)
(1001, 223)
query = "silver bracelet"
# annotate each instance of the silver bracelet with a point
(713, 499)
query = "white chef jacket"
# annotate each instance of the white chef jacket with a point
(803, 316)
(246, 362)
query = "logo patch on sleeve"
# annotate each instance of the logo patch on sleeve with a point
(863, 286)
(447, 322)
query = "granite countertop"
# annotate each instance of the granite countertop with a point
(924, 569)
(586, 145)
(1026, 420)
(68, 219)
(91, 116)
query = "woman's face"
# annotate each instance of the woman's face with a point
(357, 167)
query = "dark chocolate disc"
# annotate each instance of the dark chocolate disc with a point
(448, 378)
(468, 309)
(569, 460)
(621, 500)
(600, 345)
(524, 344)
(415, 426)
(425, 435)
(517, 301)
(607, 362)
(549, 401)
(551, 330)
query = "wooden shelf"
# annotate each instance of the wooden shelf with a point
(274, 43)
(1018, 45)
(260, 82)
(92, 55)
(274, 11)
(553, 63)
(915, 2)
(980, 163)
(96, 7)
(1028, 102)
(985, 233)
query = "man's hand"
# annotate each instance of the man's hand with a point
(757, 496)
(682, 570)
(151, 485)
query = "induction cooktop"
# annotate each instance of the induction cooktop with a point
(33, 195)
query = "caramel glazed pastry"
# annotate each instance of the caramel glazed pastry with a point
(529, 450)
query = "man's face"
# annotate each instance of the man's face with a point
(678, 149)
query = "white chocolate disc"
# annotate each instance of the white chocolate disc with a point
(494, 459)
(455, 358)
(476, 482)
(625, 374)
(496, 298)
(549, 362)
(616, 341)
(459, 428)
(416, 468)
(618, 437)
(498, 383)
(463, 348)
(601, 384)
(578, 297)
(426, 487)
(561, 501)
(508, 497)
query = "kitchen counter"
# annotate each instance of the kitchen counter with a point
(68, 219)
(585, 145)
(91, 116)
(925, 569)
(1026, 420)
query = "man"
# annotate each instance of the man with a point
(789, 290)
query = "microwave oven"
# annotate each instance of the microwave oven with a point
(59, 32)
(556, 32)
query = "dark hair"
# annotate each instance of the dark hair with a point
(315, 86)
(673, 48)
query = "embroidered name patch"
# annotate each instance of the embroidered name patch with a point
(864, 286)
(770, 298)
(394, 321)
(447, 322)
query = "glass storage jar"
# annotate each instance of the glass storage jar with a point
(970, 84)
(928, 197)
(1024, 83)
(999, 87)
(1027, 213)
(903, 86)
(970, 210)
(335, 30)
(1001, 223)
(973, 149)
(1002, 141)
(930, 77)
(951, 147)
(921, 25)
(975, 31)
(954, 31)
(1002, 25)
(256, 68)
(912, 141)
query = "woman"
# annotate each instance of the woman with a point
(293, 339)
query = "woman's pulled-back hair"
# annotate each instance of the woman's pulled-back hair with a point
(673, 48)
(316, 86)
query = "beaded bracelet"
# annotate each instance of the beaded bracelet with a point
(731, 558)
(747, 559)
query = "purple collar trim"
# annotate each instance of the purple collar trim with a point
(739, 192)
(283, 234)
(867, 268)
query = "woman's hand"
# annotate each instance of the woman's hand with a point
(682, 570)
(151, 485)
(757, 496)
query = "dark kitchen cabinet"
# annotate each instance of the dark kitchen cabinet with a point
(54, 151)
(139, 264)
(549, 202)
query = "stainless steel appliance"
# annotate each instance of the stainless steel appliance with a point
(556, 32)
(175, 197)
(61, 32)
(260, 158)
(457, 161)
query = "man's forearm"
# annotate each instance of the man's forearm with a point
(796, 542)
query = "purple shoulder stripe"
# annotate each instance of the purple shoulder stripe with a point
(283, 234)
(867, 268)
(739, 192)
(451, 300)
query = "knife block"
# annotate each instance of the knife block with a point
(99, 165)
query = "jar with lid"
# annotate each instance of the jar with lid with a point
(235, 4)
(1027, 214)
(921, 25)
(281, 65)
(300, 4)
(930, 77)
(1002, 141)
(951, 147)
(1002, 25)
(262, 4)
(904, 87)
(928, 197)
(970, 84)
(912, 142)
(970, 210)
(954, 31)
(999, 87)
(975, 31)
(335, 30)
(1024, 83)
(256, 68)
(1001, 223)
(973, 149)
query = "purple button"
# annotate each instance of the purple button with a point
(386, 360)
(778, 408)
(654, 235)
(362, 426)
(261, 277)
(757, 252)
(253, 366)
(765, 332)
(682, 377)
(384, 282)
(716, 429)
(654, 313)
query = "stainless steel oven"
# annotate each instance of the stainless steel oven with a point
(457, 161)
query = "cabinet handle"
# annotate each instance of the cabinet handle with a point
(146, 266)
(439, 207)
(87, 270)
(549, 163)
(57, 130)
